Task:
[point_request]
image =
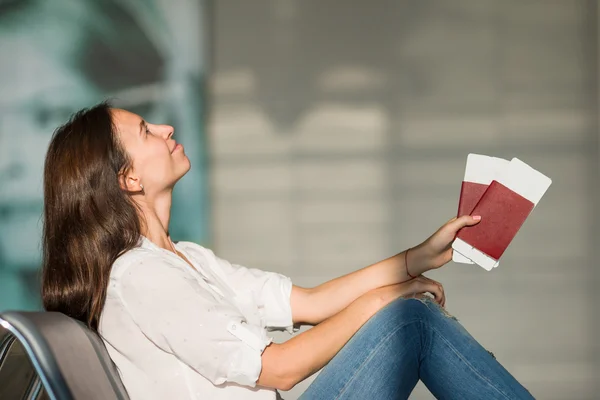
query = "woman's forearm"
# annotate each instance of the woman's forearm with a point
(327, 299)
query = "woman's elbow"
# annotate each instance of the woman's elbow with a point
(286, 384)
(277, 371)
(277, 380)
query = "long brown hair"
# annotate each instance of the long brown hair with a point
(88, 219)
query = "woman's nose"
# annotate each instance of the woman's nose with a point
(168, 131)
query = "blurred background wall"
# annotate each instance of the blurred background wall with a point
(61, 55)
(338, 136)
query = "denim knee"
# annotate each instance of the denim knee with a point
(422, 308)
(405, 309)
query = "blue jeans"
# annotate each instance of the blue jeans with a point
(408, 340)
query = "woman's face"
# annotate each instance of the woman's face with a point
(158, 161)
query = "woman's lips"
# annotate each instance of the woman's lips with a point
(177, 147)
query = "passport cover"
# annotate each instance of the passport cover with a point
(503, 212)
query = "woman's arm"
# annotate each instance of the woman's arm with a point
(314, 305)
(286, 364)
(311, 306)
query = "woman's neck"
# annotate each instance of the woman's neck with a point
(155, 220)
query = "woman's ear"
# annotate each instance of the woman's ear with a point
(130, 183)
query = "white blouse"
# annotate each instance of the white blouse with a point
(178, 333)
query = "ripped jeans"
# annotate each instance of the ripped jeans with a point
(408, 340)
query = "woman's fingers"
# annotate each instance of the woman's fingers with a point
(426, 285)
(443, 299)
(466, 220)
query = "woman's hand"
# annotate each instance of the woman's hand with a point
(436, 251)
(416, 287)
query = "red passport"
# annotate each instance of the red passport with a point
(503, 212)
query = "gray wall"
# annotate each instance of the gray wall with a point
(339, 133)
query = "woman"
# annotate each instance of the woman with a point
(179, 322)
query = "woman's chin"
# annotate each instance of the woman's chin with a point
(184, 171)
(188, 167)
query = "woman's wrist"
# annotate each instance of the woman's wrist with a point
(411, 276)
(417, 261)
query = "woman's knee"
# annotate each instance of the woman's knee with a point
(414, 308)
(403, 310)
(416, 313)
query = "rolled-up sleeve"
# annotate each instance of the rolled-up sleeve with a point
(181, 317)
(271, 292)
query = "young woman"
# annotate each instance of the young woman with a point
(181, 323)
